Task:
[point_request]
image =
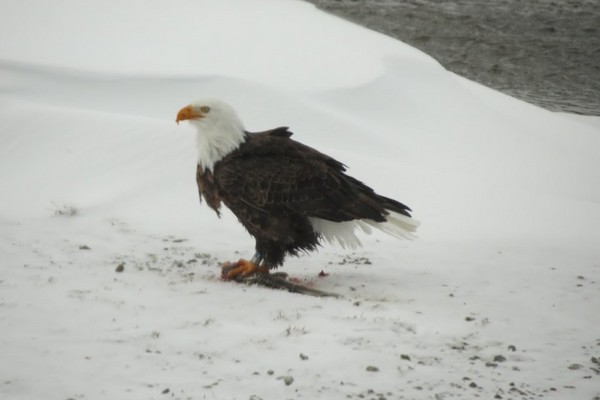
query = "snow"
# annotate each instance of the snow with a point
(97, 178)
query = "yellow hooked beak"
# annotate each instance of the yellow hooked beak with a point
(187, 113)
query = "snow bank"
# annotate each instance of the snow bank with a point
(97, 178)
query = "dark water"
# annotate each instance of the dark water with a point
(546, 52)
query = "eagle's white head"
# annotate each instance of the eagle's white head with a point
(220, 130)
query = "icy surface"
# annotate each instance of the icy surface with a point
(109, 283)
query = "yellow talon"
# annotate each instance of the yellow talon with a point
(241, 269)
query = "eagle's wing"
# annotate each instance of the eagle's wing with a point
(275, 174)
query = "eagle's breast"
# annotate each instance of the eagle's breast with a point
(208, 189)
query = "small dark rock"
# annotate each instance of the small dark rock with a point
(512, 348)
(372, 368)
(499, 358)
(491, 364)
(575, 367)
(469, 319)
(472, 385)
(460, 347)
(84, 247)
(120, 268)
(303, 356)
(167, 390)
(405, 357)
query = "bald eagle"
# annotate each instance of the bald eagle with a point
(288, 196)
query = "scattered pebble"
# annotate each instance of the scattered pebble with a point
(120, 268)
(405, 357)
(288, 380)
(499, 358)
(372, 368)
(303, 356)
(84, 247)
(355, 260)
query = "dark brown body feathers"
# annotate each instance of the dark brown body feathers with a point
(273, 184)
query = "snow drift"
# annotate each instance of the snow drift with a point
(109, 281)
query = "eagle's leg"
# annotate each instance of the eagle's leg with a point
(244, 268)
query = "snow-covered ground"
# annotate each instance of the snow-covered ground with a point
(109, 281)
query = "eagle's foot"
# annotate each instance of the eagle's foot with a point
(242, 269)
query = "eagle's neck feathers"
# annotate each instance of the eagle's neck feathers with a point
(218, 137)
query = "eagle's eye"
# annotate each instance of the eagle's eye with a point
(205, 109)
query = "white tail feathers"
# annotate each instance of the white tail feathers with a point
(344, 233)
(397, 225)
